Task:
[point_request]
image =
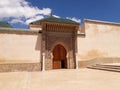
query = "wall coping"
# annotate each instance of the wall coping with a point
(18, 31)
(101, 22)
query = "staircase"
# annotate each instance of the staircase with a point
(114, 68)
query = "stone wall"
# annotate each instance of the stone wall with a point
(16, 48)
(102, 40)
(20, 50)
(20, 67)
(83, 64)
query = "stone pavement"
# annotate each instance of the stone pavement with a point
(68, 79)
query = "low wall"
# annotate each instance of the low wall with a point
(83, 64)
(20, 67)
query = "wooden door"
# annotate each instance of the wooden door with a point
(59, 57)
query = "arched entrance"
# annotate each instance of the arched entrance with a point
(59, 57)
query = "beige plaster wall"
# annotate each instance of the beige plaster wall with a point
(19, 48)
(101, 41)
(35, 28)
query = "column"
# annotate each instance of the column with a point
(76, 61)
(43, 61)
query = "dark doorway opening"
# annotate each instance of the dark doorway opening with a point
(63, 64)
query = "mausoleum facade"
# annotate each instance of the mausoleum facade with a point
(57, 43)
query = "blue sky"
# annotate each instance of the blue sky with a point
(106, 10)
(93, 9)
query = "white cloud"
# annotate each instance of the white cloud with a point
(34, 19)
(74, 19)
(17, 21)
(56, 16)
(20, 9)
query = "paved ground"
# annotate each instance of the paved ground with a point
(82, 79)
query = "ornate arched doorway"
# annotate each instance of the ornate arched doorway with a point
(59, 57)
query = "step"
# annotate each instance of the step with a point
(100, 66)
(105, 67)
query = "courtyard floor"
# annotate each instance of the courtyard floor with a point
(68, 79)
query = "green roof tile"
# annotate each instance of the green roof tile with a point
(5, 24)
(54, 19)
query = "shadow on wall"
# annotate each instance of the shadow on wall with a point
(38, 43)
(38, 46)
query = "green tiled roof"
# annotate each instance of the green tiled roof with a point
(54, 19)
(5, 24)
